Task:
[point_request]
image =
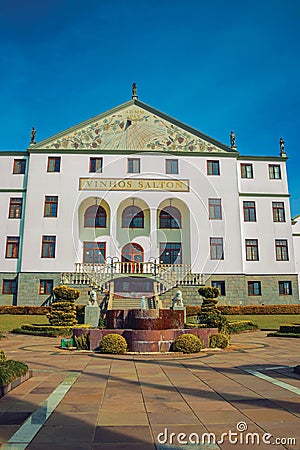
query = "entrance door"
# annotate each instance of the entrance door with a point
(132, 258)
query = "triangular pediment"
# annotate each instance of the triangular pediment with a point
(133, 126)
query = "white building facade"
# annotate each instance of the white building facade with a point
(135, 201)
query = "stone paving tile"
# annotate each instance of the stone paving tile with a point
(107, 418)
(123, 434)
(77, 433)
(69, 420)
(178, 418)
(273, 415)
(14, 417)
(6, 431)
(67, 408)
(219, 417)
(211, 405)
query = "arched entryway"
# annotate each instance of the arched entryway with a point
(132, 258)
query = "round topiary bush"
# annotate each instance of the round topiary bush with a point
(66, 293)
(113, 343)
(187, 343)
(218, 340)
(209, 292)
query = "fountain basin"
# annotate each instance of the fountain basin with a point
(146, 340)
(145, 319)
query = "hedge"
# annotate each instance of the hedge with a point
(10, 370)
(46, 330)
(295, 328)
(288, 335)
(241, 325)
(32, 310)
(39, 310)
(259, 309)
(192, 310)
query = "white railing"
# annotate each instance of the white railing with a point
(167, 276)
(150, 268)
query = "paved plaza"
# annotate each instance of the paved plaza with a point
(81, 400)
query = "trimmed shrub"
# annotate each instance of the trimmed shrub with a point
(295, 328)
(10, 370)
(288, 335)
(33, 310)
(209, 314)
(218, 340)
(113, 343)
(209, 292)
(240, 325)
(44, 330)
(63, 310)
(66, 293)
(82, 342)
(259, 309)
(187, 343)
(192, 310)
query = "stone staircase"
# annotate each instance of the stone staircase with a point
(130, 303)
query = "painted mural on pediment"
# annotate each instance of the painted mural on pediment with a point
(135, 129)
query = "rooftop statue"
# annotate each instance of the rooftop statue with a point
(33, 134)
(134, 95)
(232, 139)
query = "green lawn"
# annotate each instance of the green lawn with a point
(267, 321)
(10, 321)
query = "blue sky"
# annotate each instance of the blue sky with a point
(217, 66)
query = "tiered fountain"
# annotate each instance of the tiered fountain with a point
(145, 330)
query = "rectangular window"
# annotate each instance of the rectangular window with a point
(48, 246)
(96, 165)
(254, 288)
(213, 168)
(252, 250)
(214, 208)
(246, 171)
(172, 166)
(12, 247)
(94, 252)
(46, 287)
(249, 211)
(15, 208)
(285, 287)
(19, 166)
(216, 248)
(53, 164)
(50, 207)
(282, 253)
(278, 212)
(220, 285)
(170, 253)
(9, 287)
(274, 172)
(133, 165)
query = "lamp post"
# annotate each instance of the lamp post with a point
(152, 260)
(111, 260)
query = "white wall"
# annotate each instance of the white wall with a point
(296, 240)
(227, 186)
